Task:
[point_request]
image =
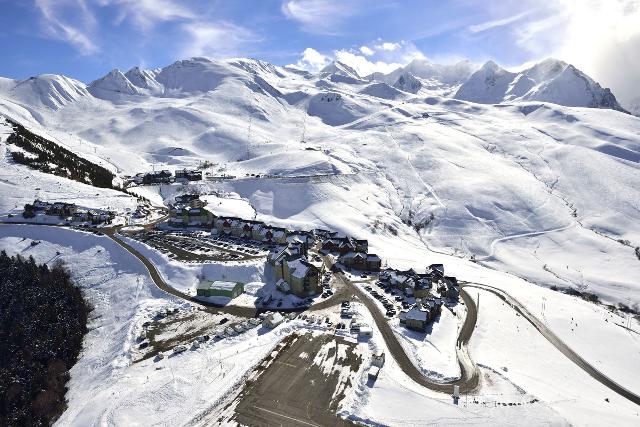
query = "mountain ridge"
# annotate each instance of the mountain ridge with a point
(550, 80)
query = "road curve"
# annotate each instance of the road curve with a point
(469, 380)
(470, 375)
(159, 281)
(557, 342)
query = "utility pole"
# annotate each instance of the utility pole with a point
(249, 136)
(304, 126)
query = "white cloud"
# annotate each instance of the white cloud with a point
(388, 46)
(57, 16)
(366, 51)
(364, 66)
(146, 13)
(380, 56)
(215, 39)
(312, 60)
(320, 16)
(600, 37)
(478, 28)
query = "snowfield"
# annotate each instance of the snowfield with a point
(106, 388)
(518, 185)
(521, 179)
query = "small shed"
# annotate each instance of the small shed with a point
(365, 332)
(377, 359)
(208, 288)
(272, 320)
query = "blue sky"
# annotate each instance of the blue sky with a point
(84, 39)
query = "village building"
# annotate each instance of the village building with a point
(155, 177)
(272, 320)
(188, 175)
(208, 288)
(189, 211)
(422, 288)
(416, 319)
(365, 332)
(354, 260)
(69, 211)
(302, 275)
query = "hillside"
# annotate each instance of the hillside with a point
(510, 186)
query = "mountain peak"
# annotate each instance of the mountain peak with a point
(551, 80)
(113, 84)
(337, 67)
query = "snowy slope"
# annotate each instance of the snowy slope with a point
(492, 182)
(524, 189)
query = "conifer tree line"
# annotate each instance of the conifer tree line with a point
(49, 157)
(43, 319)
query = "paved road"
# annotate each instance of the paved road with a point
(159, 281)
(558, 343)
(470, 375)
(294, 391)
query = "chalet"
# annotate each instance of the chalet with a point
(188, 175)
(247, 228)
(302, 275)
(225, 224)
(345, 246)
(377, 359)
(256, 230)
(362, 245)
(374, 263)
(422, 288)
(39, 205)
(192, 200)
(61, 209)
(237, 227)
(157, 177)
(361, 261)
(453, 289)
(189, 211)
(416, 319)
(330, 245)
(354, 260)
(199, 217)
(305, 237)
(274, 234)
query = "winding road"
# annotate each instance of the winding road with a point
(557, 342)
(470, 375)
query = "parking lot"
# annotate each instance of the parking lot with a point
(200, 246)
(300, 384)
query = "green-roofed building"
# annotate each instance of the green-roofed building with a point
(208, 288)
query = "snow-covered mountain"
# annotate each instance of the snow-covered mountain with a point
(47, 90)
(421, 73)
(458, 176)
(548, 81)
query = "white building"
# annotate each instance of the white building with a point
(272, 320)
